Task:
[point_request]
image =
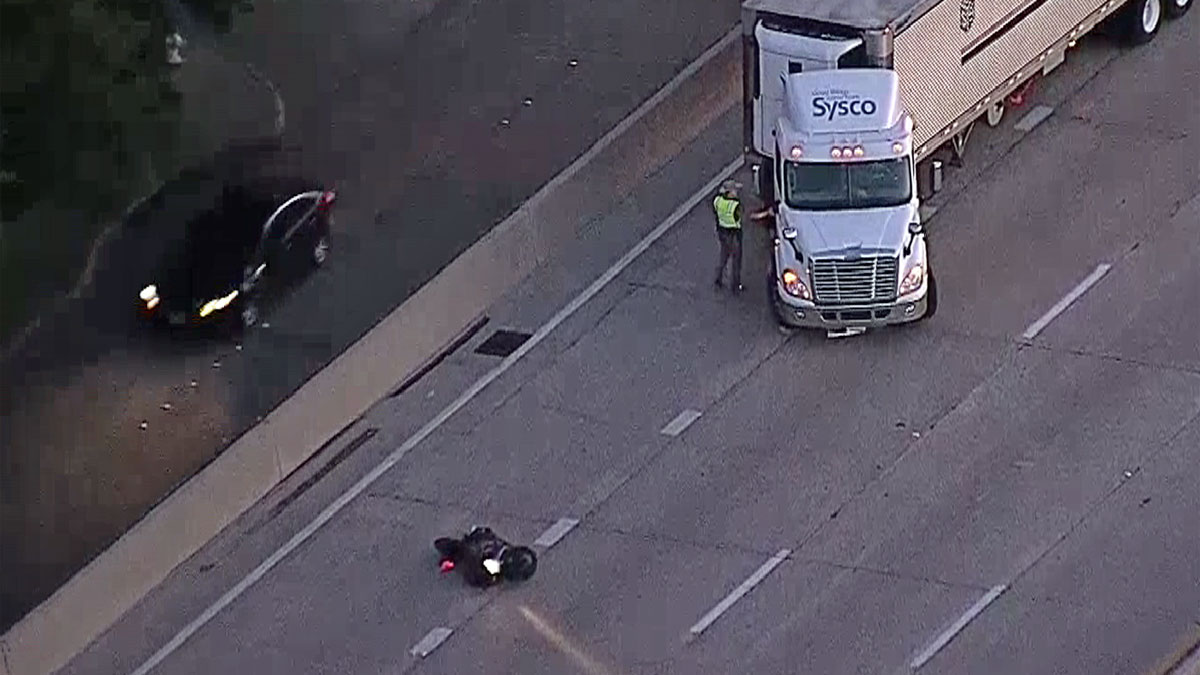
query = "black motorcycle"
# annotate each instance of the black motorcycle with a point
(485, 559)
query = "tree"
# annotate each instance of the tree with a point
(84, 97)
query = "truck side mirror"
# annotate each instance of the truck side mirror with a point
(915, 229)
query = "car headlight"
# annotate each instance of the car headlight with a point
(218, 304)
(913, 280)
(794, 286)
(149, 295)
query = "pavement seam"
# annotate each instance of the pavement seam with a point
(579, 415)
(851, 567)
(1067, 603)
(1104, 499)
(1117, 358)
(912, 445)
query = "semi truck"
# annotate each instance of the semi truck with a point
(846, 102)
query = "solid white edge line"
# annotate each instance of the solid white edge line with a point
(432, 640)
(1067, 300)
(947, 635)
(737, 593)
(363, 483)
(556, 532)
(681, 422)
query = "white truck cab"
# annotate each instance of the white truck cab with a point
(850, 250)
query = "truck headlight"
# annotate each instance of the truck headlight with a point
(913, 280)
(794, 286)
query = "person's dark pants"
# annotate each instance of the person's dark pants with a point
(731, 251)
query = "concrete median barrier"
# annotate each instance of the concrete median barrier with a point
(366, 372)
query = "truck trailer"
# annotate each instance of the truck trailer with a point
(845, 103)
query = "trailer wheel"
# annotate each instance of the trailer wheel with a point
(1142, 20)
(1177, 8)
(995, 113)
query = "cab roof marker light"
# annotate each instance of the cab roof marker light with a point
(797, 152)
(897, 147)
(858, 151)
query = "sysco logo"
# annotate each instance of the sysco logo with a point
(830, 110)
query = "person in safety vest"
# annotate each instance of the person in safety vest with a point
(729, 233)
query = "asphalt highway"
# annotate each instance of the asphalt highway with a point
(435, 120)
(1006, 488)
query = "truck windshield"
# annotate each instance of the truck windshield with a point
(827, 186)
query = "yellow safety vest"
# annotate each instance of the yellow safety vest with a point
(725, 212)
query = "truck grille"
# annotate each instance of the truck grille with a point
(870, 279)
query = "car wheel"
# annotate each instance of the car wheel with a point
(320, 252)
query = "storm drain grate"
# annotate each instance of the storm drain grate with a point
(503, 343)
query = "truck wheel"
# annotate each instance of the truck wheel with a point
(1142, 20)
(995, 113)
(932, 304)
(1177, 8)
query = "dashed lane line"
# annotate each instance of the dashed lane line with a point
(955, 628)
(737, 594)
(1061, 306)
(681, 422)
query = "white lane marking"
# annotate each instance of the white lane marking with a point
(737, 593)
(954, 628)
(682, 421)
(363, 483)
(1062, 305)
(1033, 118)
(432, 640)
(555, 532)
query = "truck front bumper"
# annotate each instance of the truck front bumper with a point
(797, 315)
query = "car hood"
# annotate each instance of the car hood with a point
(185, 277)
(867, 231)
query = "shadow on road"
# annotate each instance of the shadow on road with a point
(87, 400)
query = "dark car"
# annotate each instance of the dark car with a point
(238, 254)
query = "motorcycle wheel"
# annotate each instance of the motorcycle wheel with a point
(518, 563)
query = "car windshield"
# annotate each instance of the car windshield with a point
(210, 256)
(825, 186)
